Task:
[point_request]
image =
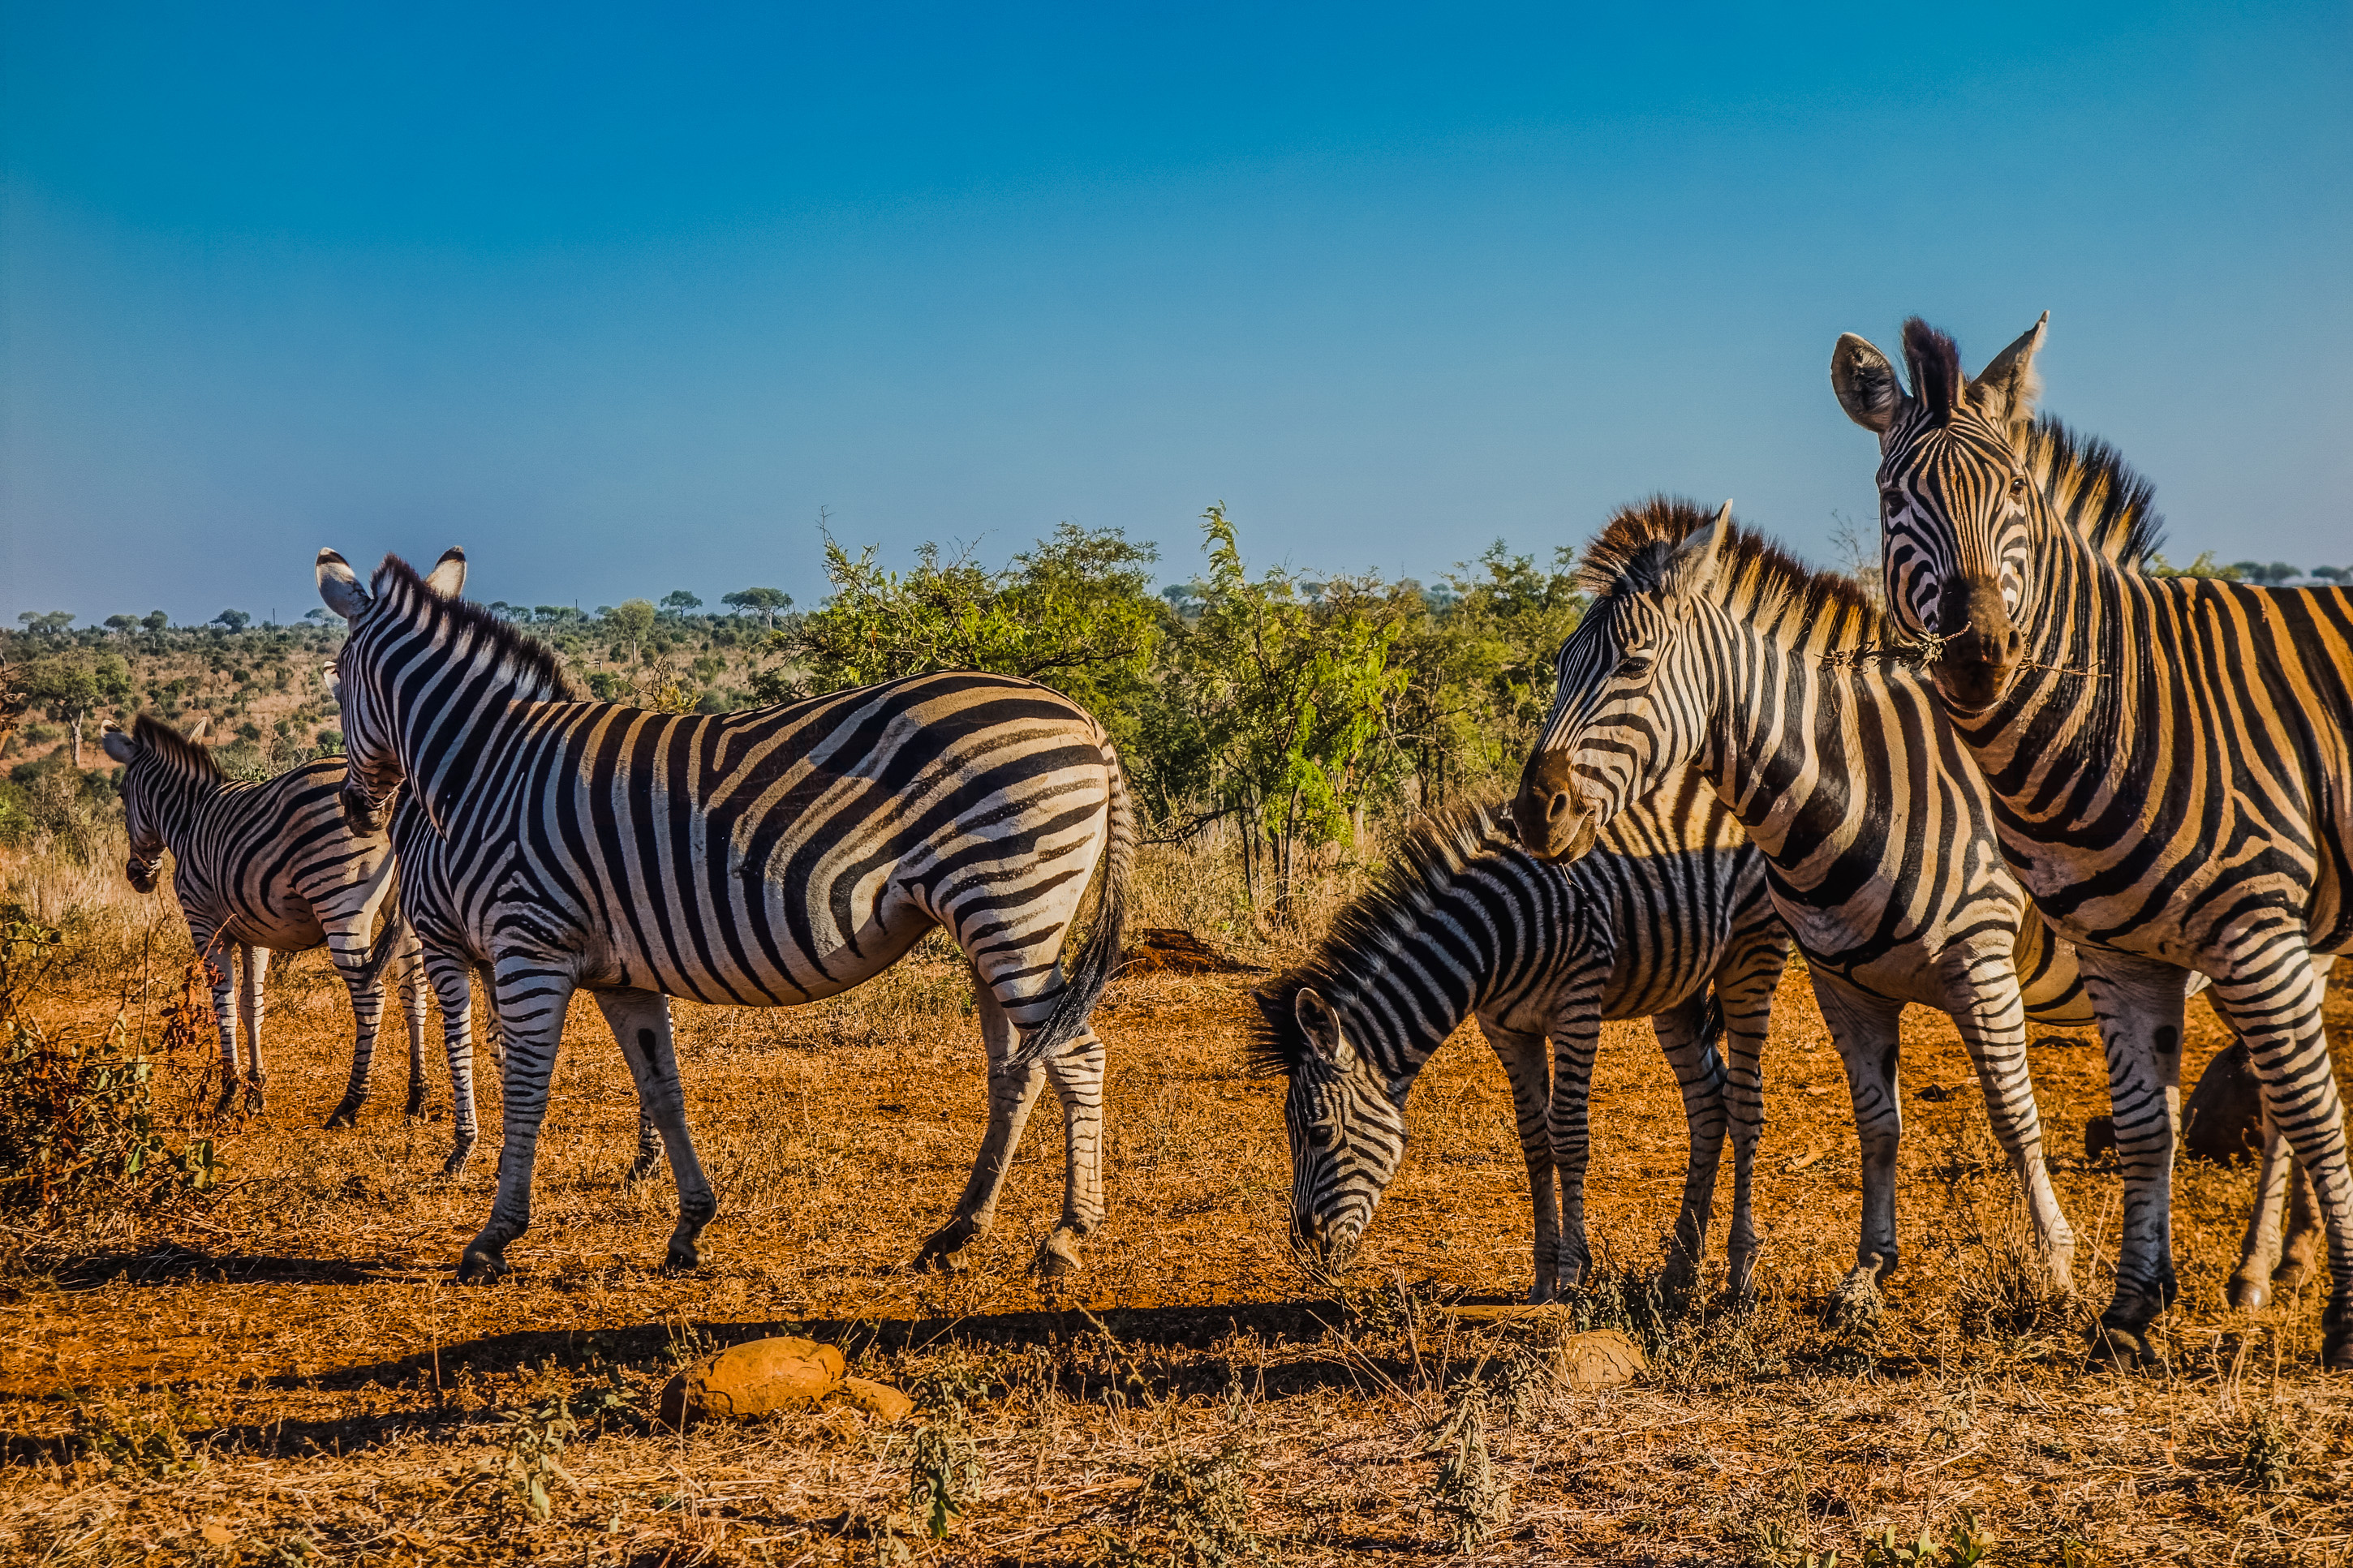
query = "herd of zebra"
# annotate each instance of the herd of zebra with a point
(2043, 783)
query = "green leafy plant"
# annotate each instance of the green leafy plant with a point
(1192, 1511)
(942, 1476)
(519, 1475)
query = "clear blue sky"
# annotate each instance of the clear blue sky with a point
(619, 301)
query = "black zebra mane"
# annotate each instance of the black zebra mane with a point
(1433, 851)
(2094, 493)
(191, 759)
(517, 651)
(1754, 576)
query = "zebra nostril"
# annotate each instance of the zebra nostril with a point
(1558, 808)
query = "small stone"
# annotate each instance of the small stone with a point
(1600, 1359)
(218, 1534)
(749, 1381)
(880, 1400)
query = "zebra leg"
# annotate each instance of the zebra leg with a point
(251, 1004)
(1076, 1072)
(2304, 1231)
(2273, 999)
(452, 982)
(2250, 1288)
(413, 992)
(1010, 1097)
(1576, 1037)
(2139, 1006)
(1527, 1063)
(347, 945)
(1745, 984)
(223, 977)
(1699, 1074)
(1865, 1028)
(532, 1001)
(641, 1021)
(1981, 990)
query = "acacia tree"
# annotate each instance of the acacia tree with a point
(1074, 612)
(1273, 708)
(71, 687)
(766, 602)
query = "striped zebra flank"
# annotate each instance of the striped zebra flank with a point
(2171, 761)
(1708, 647)
(761, 859)
(1465, 923)
(264, 867)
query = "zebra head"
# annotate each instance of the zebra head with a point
(1347, 1132)
(1958, 508)
(138, 814)
(361, 684)
(162, 770)
(1629, 707)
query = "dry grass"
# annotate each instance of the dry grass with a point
(291, 1376)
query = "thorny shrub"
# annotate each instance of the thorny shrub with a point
(80, 1134)
(1472, 1501)
(1191, 1511)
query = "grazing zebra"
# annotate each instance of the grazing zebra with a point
(763, 858)
(261, 868)
(1466, 922)
(1707, 647)
(2171, 761)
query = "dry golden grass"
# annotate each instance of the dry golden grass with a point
(292, 1376)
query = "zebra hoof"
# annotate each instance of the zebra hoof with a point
(941, 1253)
(347, 1115)
(1058, 1257)
(416, 1107)
(2249, 1293)
(637, 1173)
(455, 1165)
(2336, 1337)
(2292, 1274)
(2127, 1347)
(479, 1267)
(679, 1258)
(1854, 1305)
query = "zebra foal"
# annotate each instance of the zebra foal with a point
(268, 868)
(2170, 765)
(761, 858)
(1706, 646)
(1464, 923)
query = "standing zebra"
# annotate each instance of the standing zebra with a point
(1466, 922)
(1707, 646)
(2171, 761)
(261, 868)
(763, 858)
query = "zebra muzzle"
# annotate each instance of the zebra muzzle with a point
(1979, 659)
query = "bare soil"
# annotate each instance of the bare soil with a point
(293, 1375)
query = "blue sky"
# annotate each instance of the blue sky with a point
(620, 299)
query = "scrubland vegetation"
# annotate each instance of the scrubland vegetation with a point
(238, 1340)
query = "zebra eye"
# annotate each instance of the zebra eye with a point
(1634, 667)
(2018, 486)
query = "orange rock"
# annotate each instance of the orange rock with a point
(880, 1400)
(748, 1381)
(1598, 1358)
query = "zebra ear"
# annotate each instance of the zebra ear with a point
(1322, 1028)
(339, 585)
(1692, 566)
(448, 578)
(2005, 389)
(1865, 384)
(202, 728)
(330, 681)
(118, 745)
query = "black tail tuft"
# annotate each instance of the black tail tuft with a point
(1098, 960)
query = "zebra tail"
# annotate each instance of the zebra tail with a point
(388, 943)
(1711, 1024)
(1098, 960)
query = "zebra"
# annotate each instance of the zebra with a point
(2170, 762)
(264, 867)
(761, 859)
(1706, 646)
(1465, 922)
(425, 904)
